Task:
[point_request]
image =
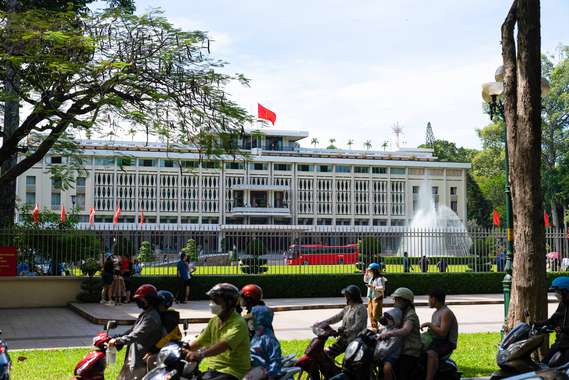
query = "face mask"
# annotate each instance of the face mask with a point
(215, 308)
(398, 304)
(141, 304)
(559, 296)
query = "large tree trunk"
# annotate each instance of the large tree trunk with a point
(11, 123)
(522, 110)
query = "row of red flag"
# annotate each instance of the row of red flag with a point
(496, 219)
(63, 214)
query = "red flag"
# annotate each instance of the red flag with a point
(91, 215)
(36, 214)
(62, 214)
(546, 219)
(141, 216)
(117, 214)
(496, 218)
(266, 114)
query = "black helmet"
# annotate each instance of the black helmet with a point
(166, 298)
(352, 292)
(228, 292)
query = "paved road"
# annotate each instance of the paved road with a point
(60, 327)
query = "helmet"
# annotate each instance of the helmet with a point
(228, 292)
(404, 293)
(165, 298)
(395, 314)
(252, 292)
(146, 291)
(352, 292)
(263, 316)
(373, 266)
(560, 283)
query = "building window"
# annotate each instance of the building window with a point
(362, 169)
(380, 222)
(189, 164)
(324, 168)
(343, 169)
(435, 191)
(30, 180)
(147, 163)
(379, 170)
(306, 221)
(304, 168)
(258, 166)
(282, 167)
(415, 197)
(124, 161)
(398, 171)
(166, 163)
(343, 222)
(210, 165)
(56, 183)
(454, 206)
(80, 181)
(56, 160)
(30, 198)
(453, 190)
(104, 161)
(234, 165)
(55, 201)
(80, 201)
(324, 222)
(398, 198)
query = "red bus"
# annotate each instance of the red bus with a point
(316, 254)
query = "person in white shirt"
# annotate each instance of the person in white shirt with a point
(375, 283)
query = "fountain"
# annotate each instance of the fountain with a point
(434, 231)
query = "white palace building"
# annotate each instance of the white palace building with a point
(276, 183)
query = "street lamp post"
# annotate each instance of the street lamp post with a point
(491, 93)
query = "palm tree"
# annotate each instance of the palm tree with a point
(350, 143)
(385, 145)
(314, 142)
(332, 141)
(131, 132)
(367, 144)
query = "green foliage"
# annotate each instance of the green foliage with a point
(254, 264)
(145, 253)
(370, 250)
(90, 290)
(90, 266)
(191, 250)
(124, 247)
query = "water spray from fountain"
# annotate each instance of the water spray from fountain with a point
(435, 230)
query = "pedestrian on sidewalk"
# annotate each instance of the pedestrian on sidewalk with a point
(442, 265)
(107, 277)
(375, 283)
(424, 264)
(118, 290)
(126, 273)
(406, 263)
(191, 269)
(183, 279)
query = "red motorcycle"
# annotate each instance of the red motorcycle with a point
(92, 366)
(315, 362)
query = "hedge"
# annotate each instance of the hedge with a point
(330, 285)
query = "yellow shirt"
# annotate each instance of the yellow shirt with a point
(236, 361)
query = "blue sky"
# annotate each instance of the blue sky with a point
(352, 69)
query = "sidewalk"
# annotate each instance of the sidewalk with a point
(198, 311)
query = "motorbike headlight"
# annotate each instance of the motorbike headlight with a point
(359, 354)
(351, 349)
(168, 355)
(503, 356)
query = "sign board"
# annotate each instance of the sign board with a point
(8, 261)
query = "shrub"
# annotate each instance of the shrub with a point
(90, 267)
(191, 251)
(254, 264)
(370, 250)
(256, 248)
(90, 290)
(124, 247)
(146, 254)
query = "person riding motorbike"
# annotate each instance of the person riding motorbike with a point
(353, 318)
(264, 345)
(559, 320)
(146, 332)
(170, 322)
(225, 340)
(250, 296)
(388, 350)
(403, 299)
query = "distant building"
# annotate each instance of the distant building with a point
(277, 183)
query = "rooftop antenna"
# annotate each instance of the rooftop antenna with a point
(398, 131)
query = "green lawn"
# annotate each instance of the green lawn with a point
(475, 356)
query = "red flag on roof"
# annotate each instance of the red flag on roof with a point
(266, 114)
(62, 214)
(496, 218)
(116, 216)
(546, 219)
(91, 215)
(36, 214)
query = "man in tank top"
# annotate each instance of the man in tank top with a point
(444, 329)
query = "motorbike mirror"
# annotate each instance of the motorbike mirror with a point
(185, 324)
(526, 313)
(112, 324)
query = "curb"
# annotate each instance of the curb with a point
(277, 309)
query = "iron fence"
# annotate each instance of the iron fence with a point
(238, 250)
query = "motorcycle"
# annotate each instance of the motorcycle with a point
(315, 362)
(92, 366)
(5, 362)
(288, 371)
(514, 355)
(358, 358)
